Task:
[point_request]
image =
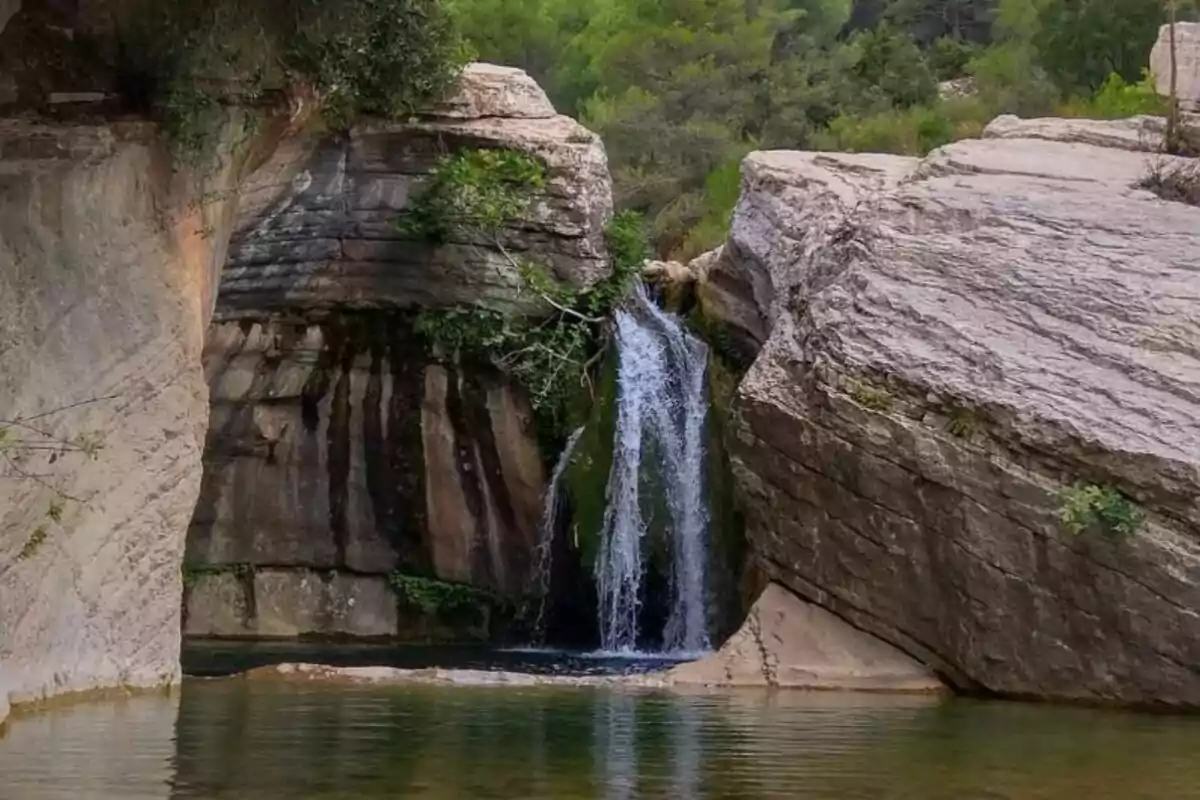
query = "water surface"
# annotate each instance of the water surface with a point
(244, 740)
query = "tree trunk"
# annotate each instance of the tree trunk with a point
(1172, 137)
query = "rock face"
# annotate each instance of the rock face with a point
(338, 443)
(341, 449)
(106, 282)
(317, 228)
(790, 644)
(109, 263)
(1187, 63)
(953, 341)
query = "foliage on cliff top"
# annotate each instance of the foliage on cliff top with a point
(183, 60)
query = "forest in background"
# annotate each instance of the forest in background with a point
(681, 90)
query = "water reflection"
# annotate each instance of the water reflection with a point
(119, 749)
(240, 740)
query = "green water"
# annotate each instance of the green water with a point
(256, 741)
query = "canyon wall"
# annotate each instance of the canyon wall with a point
(107, 273)
(951, 345)
(328, 412)
(341, 449)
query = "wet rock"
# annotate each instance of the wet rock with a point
(344, 446)
(952, 342)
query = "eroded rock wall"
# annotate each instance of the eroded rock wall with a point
(341, 450)
(952, 342)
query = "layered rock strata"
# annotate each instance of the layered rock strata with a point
(953, 341)
(340, 449)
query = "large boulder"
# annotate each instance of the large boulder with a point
(786, 643)
(317, 227)
(953, 342)
(1187, 63)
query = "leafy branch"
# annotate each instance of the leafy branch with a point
(23, 437)
(474, 195)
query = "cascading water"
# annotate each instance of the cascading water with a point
(548, 527)
(659, 443)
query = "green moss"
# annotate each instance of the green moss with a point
(449, 602)
(587, 475)
(1102, 509)
(728, 528)
(194, 573)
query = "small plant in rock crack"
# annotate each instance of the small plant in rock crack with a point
(1089, 507)
(1175, 180)
(870, 398)
(961, 422)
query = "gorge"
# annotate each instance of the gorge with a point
(903, 403)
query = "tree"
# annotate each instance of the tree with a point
(1081, 42)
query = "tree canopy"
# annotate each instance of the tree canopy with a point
(681, 90)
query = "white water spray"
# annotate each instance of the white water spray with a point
(659, 445)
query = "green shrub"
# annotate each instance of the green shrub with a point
(474, 192)
(962, 422)
(1103, 509)
(870, 397)
(550, 357)
(1117, 99)
(437, 598)
(911, 131)
(186, 59)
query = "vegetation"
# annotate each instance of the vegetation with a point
(441, 599)
(870, 397)
(194, 573)
(474, 192)
(471, 196)
(961, 422)
(680, 90)
(1177, 181)
(185, 60)
(1091, 508)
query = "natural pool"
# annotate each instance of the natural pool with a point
(249, 740)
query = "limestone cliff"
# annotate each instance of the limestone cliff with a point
(340, 449)
(110, 259)
(949, 343)
(106, 282)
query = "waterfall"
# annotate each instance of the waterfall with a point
(547, 527)
(658, 447)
